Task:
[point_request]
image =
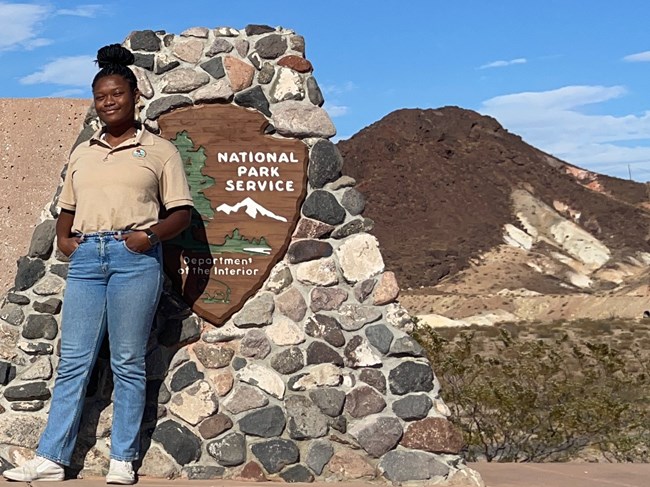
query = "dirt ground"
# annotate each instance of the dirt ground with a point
(35, 138)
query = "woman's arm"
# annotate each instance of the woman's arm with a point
(66, 244)
(177, 220)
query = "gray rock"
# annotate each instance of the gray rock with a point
(214, 426)
(40, 326)
(257, 29)
(322, 206)
(214, 356)
(244, 398)
(256, 312)
(242, 45)
(21, 429)
(144, 40)
(60, 270)
(239, 363)
(255, 344)
(42, 240)
(353, 201)
(18, 298)
(271, 46)
(266, 423)
(406, 347)
(305, 419)
(51, 306)
(297, 43)
(179, 332)
(291, 304)
(165, 104)
(27, 406)
(31, 348)
(266, 74)
(219, 46)
(203, 472)
(325, 164)
(255, 60)
(279, 279)
(358, 353)
(327, 298)
(183, 80)
(377, 435)
(342, 182)
(354, 316)
(375, 378)
(320, 353)
(288, 361)
(12, 314)
(276, 454)
(313, 92)
(31, 391)
(302, 119)
(145, 61)
(157, 392)
(214, 67)
(404, 466)
(329, 400)
(398, 317)
(216, 91)
(379, 337)
(254, 98)
(340, 424)
(319, 454)
(165, 63)
(305, 250)
(183, 445)
(7, 373)
(28, 273)
(364, 401)
(297, 473)
(409, 377)
(200, 32)
(364, 289)
(229, 451)
(413, 407)
(49, 285)
(327, 328)
(40, 369)
(186, 374)
(357, 225)
(187, 49)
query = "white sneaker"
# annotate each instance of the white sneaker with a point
(38, 468)
(120, 472)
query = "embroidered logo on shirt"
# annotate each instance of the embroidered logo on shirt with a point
(139, 153)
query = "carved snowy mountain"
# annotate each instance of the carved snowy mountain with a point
(252, 209)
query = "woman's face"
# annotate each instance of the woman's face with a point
(114, 100)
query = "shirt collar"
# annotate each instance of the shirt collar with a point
(142, 137)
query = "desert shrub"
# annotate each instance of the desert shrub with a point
(538, 400)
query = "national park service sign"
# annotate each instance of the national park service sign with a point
(247, 189)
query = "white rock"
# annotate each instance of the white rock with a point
(266, 379)
(359, 257)
(302, 119)
(321, 375)
(219, 90)
(195, 403)
(439, 321)
(321, 272)
(40, 369)
(144, 84)
(287, 85)
(516, 237)
(284, 332)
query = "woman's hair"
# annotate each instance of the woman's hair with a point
(115, 59)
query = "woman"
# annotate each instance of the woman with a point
(109, 227)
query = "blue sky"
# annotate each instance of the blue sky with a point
(570, 76)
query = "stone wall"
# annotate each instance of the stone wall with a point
(315, 377)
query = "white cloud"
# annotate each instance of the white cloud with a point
(336, 110)
(338, 89)
(71, 93)
(502, 64)
(19, 24)
(90, 10)
(638, 57)
(67, 71)
(552, 121)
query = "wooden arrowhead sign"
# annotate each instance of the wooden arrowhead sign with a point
(247, 188)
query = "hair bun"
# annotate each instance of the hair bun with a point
(114, 54)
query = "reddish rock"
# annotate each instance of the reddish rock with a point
(291, 304)
(363, 401)
(327, 298)
(296, 63)
(350, 465)
(240, 73)
(308, 228)
(435, 435)
(386, 290)
(251, 472)
(214, 426)
(222, 381)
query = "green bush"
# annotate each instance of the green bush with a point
(533, 400)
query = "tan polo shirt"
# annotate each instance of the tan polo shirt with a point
(123, 187)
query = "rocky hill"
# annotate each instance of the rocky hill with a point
(463, 206)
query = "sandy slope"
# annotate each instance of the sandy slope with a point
(35, 138)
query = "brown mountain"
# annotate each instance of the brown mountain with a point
(452, 191)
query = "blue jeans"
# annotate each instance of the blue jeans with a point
(109, 287)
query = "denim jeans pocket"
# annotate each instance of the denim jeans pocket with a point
(74, 251)
(146, 252)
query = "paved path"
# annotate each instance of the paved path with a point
(494, 474)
